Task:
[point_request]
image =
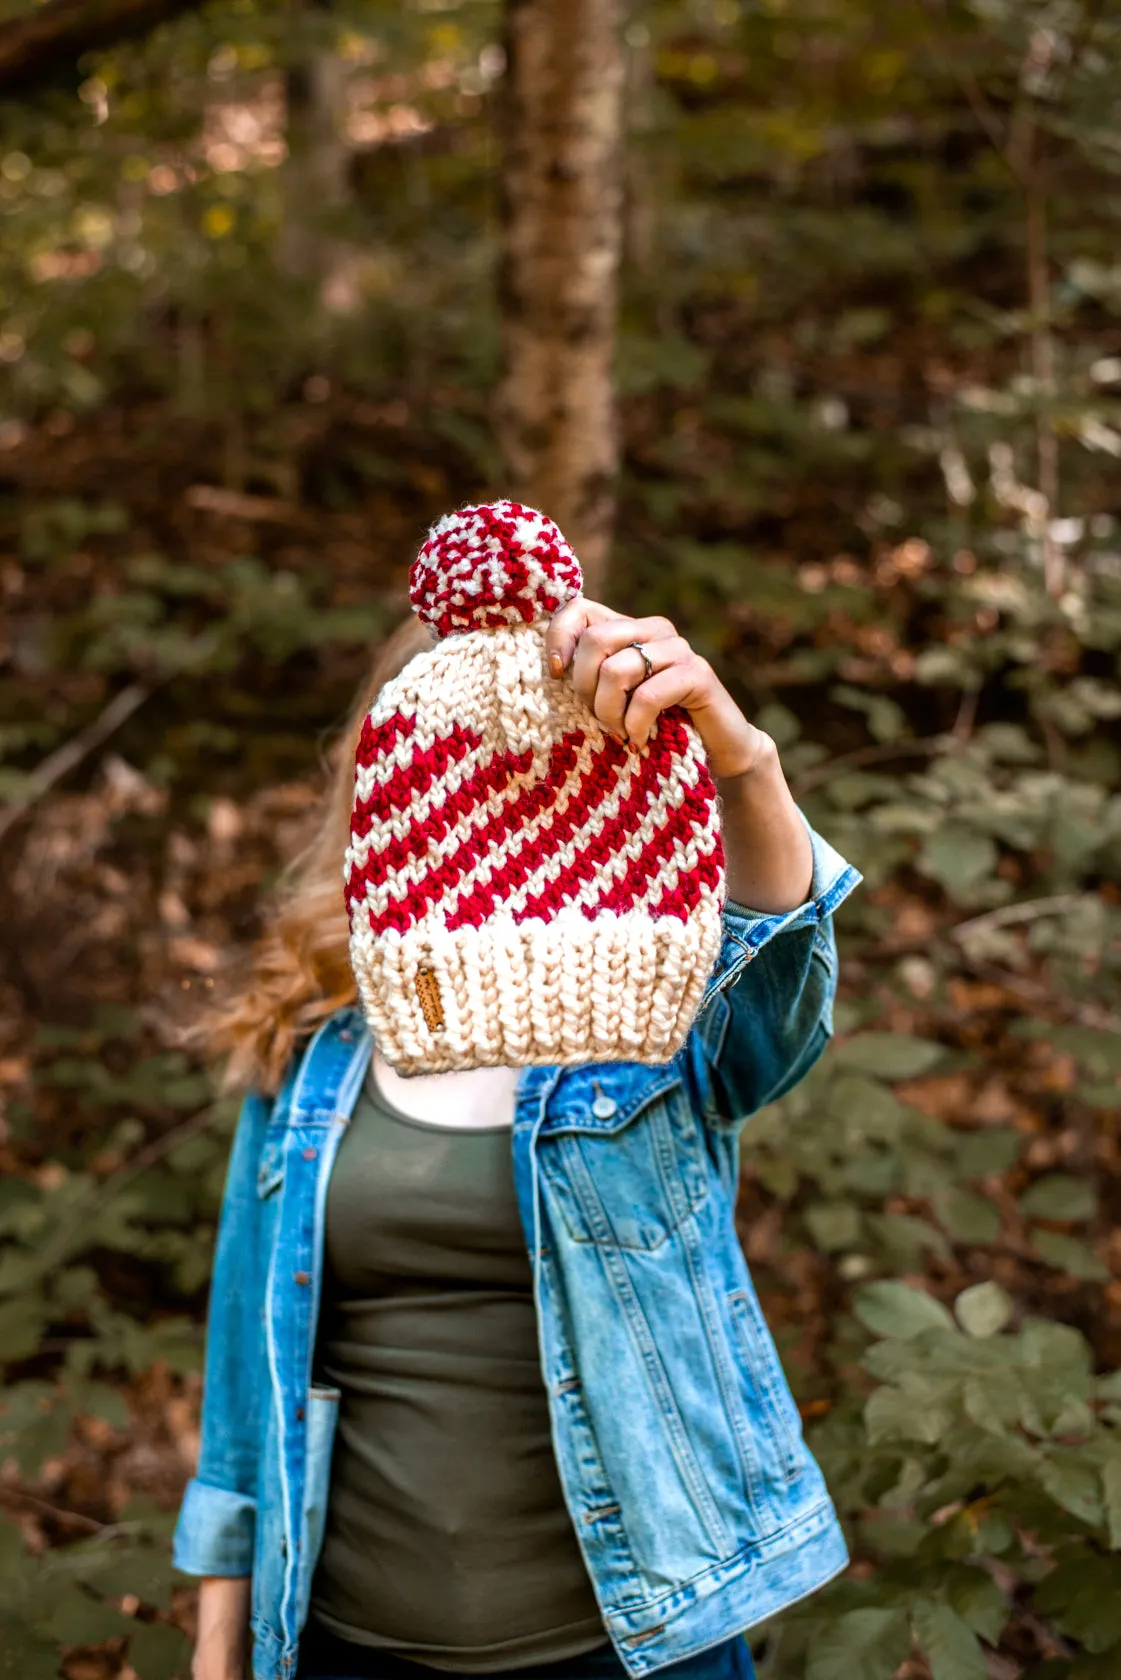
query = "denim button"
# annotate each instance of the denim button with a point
(604, 1106)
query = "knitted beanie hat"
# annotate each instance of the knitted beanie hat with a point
(522, 887)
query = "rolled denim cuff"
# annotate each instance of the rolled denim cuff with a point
(215, 1532)
(832, 881)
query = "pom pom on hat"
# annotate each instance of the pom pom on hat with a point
(499, 563)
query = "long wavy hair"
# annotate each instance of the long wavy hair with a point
(299, 970)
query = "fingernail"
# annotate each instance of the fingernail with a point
(555, 666)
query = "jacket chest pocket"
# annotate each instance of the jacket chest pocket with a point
(630, 1179)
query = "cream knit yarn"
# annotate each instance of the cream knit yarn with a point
(521, 887)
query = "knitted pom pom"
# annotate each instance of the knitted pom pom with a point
(483, 567)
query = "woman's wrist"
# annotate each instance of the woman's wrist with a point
(755, 756)
(222, 1645)
(768, 854)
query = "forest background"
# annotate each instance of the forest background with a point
(866, 366)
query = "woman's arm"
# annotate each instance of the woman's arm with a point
(769, 860)
(763, 1031)
(222, 1645)
(769, 1013)
(768, 857)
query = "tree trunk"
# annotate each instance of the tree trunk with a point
(48, 41)
(315, 179)
(562, 126)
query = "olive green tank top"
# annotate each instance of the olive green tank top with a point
(447, 1537)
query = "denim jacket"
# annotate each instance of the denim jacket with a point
(697, 1506)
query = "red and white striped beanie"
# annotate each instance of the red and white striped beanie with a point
(522, 888)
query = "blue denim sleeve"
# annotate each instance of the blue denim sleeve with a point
(767, 1014)
(215, 1531)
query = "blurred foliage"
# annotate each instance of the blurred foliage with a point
(869, 364)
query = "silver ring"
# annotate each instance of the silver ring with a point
(646, 660)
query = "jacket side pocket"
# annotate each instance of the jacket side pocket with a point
(322, 1421)
(778, 1415)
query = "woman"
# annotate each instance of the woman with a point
(565, 1448)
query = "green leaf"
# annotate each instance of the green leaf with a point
(1059, 1348)
(957, 857)
(38, 1438)
(907, 1238)
(1068, 1254)
(1073, 1483)
(1111, 1498)
(863, 1106)
(833, 1225)
(866, 1644)
(1102, 1667)
(888, 1055)
(99, 1400)
(1083, 1594)
(26, 1656)
(949, 1644)
(1059, 1196)
(891, 1308)
(984, 1309)
(891, 1536)
(966, 1216)
(991, 1535)
(779, 722)
(75, 1617)
(159, 1652)
(886, 720)
(983, 1153)
(141, 1569)
(892, 1414)
(994, 1401)
(1102, 1094)
(978, 1601)
(22, 1322)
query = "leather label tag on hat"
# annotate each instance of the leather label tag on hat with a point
(428, 991)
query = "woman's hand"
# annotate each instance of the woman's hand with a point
(768, 854)
(593, 643)
(222, 1644)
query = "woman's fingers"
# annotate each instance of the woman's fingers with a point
(679, 684)
(602, 641)
(594, 644)
(622, 674)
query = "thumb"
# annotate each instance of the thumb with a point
(567, 626)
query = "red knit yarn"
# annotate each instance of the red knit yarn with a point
(486, 566)
(508, 831)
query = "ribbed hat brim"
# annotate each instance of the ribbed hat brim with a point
(619, 988)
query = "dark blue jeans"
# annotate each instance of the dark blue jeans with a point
(323, 1657)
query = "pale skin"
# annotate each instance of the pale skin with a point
(769, 866)
(769, 859)
(222, 1643)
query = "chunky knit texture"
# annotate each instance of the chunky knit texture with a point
(522, 888)
(488, 566)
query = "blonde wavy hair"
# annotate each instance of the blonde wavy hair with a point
(299, 970)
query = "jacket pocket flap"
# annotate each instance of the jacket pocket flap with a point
(605, 1098)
